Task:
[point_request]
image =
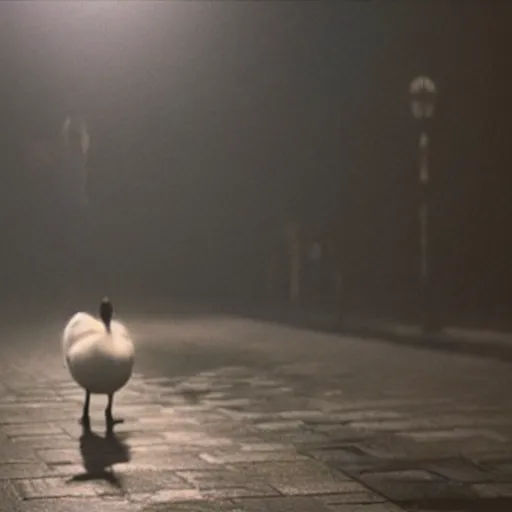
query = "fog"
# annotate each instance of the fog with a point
(213, 124)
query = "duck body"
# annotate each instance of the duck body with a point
(99, 355)
(99, 360)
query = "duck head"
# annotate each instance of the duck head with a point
(106, 312)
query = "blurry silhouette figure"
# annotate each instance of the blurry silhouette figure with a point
(99, 454)
(49, 209)
(71, 209)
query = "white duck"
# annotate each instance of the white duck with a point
(99, 356)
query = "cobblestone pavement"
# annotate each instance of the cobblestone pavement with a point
(226, 414)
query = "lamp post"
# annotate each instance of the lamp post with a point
(423, 92)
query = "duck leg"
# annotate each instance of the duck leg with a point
(85, 421)
(108, 413)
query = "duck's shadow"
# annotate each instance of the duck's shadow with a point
(99, 454)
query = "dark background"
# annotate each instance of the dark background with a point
(214, 122)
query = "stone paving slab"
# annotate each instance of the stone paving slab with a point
(14, 470)
(192, 506)
(95, 504)
(280, 504)
(54, 488)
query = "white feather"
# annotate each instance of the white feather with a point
(99, 361)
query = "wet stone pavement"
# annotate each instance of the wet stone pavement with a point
(232, 415)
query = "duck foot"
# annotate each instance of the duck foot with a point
(110, 420)
(111, 423)
(114, 421)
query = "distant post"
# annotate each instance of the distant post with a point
(423, 92)
(295, 260)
